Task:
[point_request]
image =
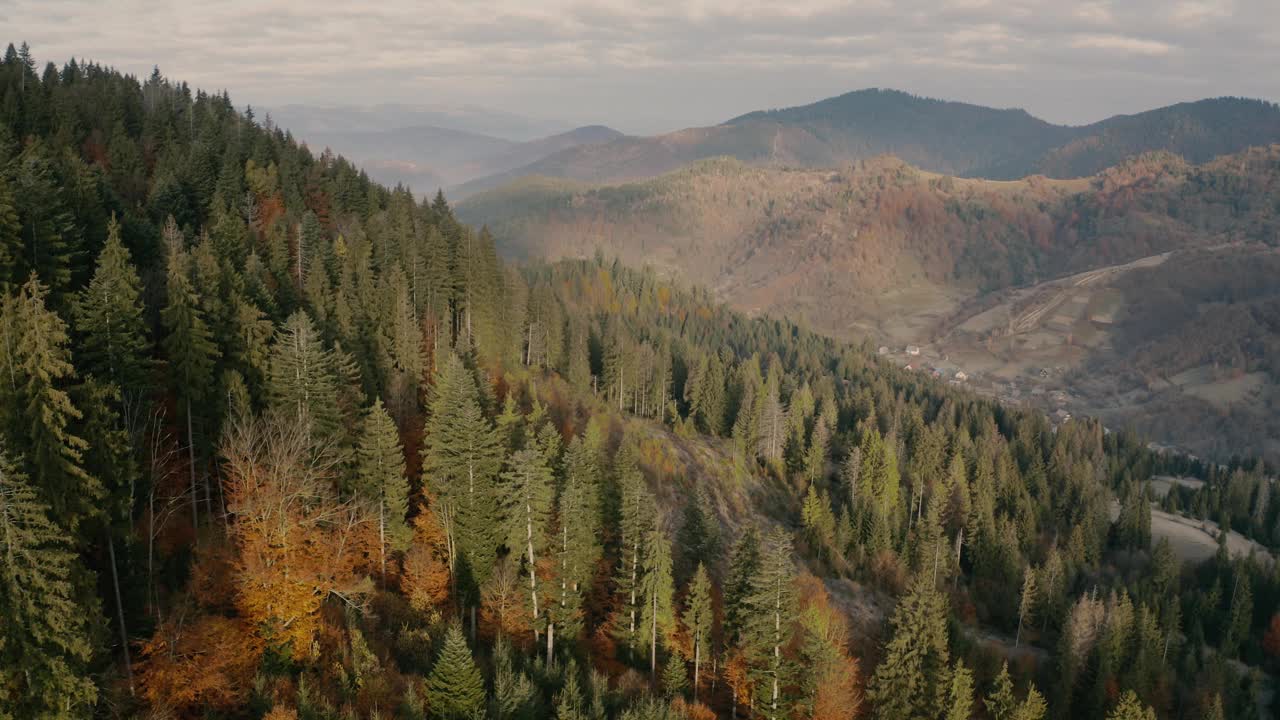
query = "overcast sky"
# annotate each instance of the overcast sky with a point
(657, 65)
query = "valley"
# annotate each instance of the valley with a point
(1028, 287)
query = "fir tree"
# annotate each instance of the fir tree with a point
(1001, 703)
(45, 647)
(303, 382)
(455, 688)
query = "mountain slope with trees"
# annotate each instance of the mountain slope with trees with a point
(329, 457)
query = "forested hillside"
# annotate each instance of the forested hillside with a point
(278, 442)
(952, 138)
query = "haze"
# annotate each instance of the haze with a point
(657, 66)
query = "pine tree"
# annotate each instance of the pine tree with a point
(1027, 605)
(910, 681)
(380, 479)
(658, 591)
(108, 318)
(35, 408)
(1033, 707)
(462, 456)
(697, 621)
(455, 688)
(960, 693)
(45, 646)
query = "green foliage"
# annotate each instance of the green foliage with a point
(911, 680)
(379, 476)
(455, 688)
(45, 643)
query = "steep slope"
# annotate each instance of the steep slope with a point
(948, 137)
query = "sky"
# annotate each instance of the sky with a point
(658, 65)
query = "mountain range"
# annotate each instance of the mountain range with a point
(947, 137)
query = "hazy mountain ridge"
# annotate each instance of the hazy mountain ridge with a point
(941, 136)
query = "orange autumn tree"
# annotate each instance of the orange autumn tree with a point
(207, 662)
(297, 544)
(426, 564)
(833, 686)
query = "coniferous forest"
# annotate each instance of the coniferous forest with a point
(279, 442)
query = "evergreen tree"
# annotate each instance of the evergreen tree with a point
(579, 533)
(529, 494)
(960, 693)
(455, 688)
(675, 676)
(743, 566)
(1131, 708)
(108, 319)
(636, 523)
(461, 458)
(10, 237)
(910, 681)
(697, 621)
(658, 591)
(1001, 703)
(37, 411)
(188, 346)
(380, 479)
(303, 380)
(45, 644)
(767, 617)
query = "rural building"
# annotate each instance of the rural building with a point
(913, 350)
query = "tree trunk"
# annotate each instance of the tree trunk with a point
(697, 663)
(382, 538)
(191, 460)
(124, 633)
(551, 642)
(653, 637)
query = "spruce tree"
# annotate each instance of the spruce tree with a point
(636, 522)
(455, 688)
(697, 621)
(188, 346)
(579, 532)
(743, 566)
(1001, 703)
(303, 382)
(38, 414)
(380, 479)
(959, 693)
(10, 237)
(675, 676)
(768, 612)
(657, 591)
(108, 319)
(529, 494)
(461, 458)
(1131, 708)
(45, 645)
(910, 682)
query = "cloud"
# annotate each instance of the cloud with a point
(665, 64)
